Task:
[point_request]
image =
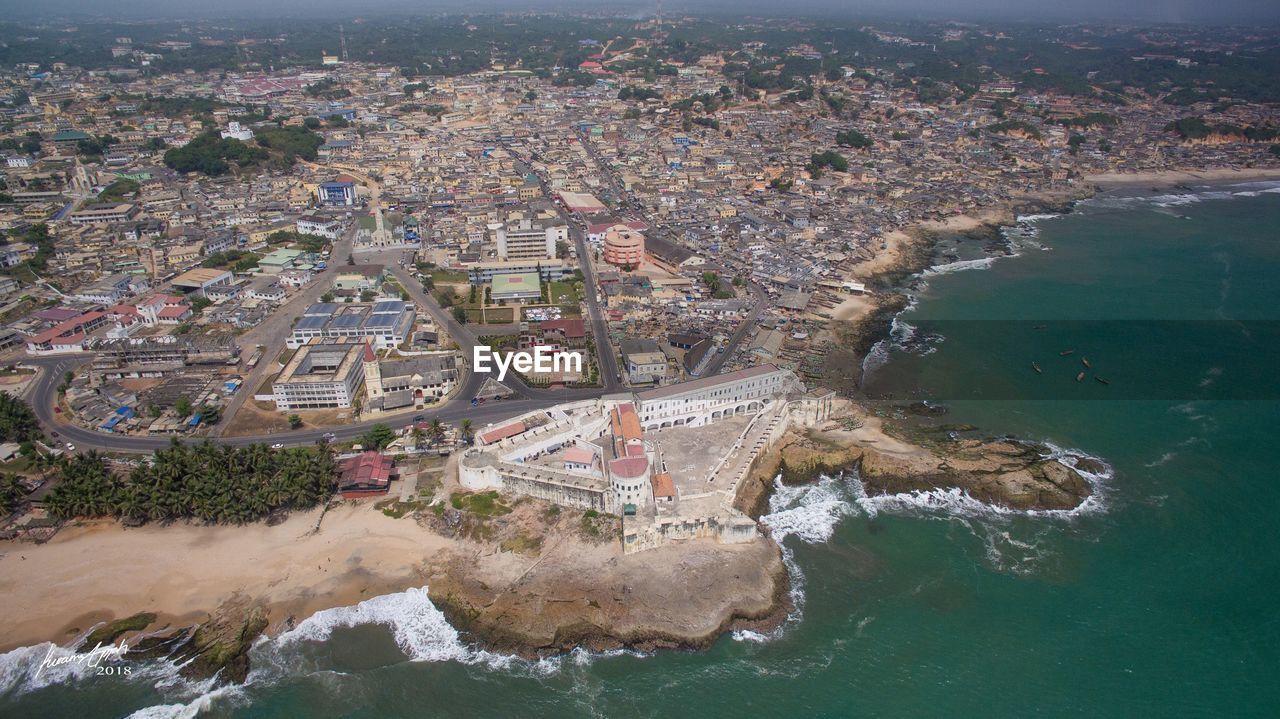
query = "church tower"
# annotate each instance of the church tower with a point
(372, 373)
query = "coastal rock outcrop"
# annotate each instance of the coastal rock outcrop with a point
(1002, 472)
(671, 597)
(220, 646)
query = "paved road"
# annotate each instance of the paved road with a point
(605, 358)
(761, 297)
(275, 329)
(43, 392)
(44, 396)
(744, 329)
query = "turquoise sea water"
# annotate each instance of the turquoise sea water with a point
(1157, 600)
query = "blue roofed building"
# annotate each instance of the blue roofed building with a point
(337, 192)
(383, 324)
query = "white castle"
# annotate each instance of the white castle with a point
(669, 460)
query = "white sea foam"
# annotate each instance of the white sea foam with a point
(747, 635)
(981, 263)
(21, 672)
(419, 628)
(191, 709)
(1164, 459)
(955, 502)
(1028, 219)
(810, 512)
(1188, 197)
(1007, 553)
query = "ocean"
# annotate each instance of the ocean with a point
(1155, 599)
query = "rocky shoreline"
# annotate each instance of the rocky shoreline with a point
(577, 620)
(999, 471)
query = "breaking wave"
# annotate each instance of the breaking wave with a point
(419, 628)
(958, 266)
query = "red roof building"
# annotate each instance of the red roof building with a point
(501, 433)
(365, 475)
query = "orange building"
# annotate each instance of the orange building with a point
(623, 246)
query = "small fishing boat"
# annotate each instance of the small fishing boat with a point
(1036, 367)
(1085, 361)
(1066, 353)
(1080, 377)
(1101, 380)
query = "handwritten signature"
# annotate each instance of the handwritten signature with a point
(92, 659)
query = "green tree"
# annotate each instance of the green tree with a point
(853, 138)
(377, 437)
(213, 483)
(17, 422)
(11, 493)
(295, 421)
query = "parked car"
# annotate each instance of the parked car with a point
(277, 445)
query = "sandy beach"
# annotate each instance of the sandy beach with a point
(1182, 177)
(99, 571)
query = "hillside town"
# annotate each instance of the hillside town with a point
(387, 358)
(302, 249)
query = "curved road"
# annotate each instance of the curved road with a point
(44, 397)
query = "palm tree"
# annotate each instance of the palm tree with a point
(466, 431)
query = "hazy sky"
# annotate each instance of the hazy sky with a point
(1181, 11)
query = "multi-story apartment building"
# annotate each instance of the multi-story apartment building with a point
(529, 240)
(325, 375)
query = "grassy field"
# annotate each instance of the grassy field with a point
(567, 296)
(493, 316)
(448, 277)
(485, 504)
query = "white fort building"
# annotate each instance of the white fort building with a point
(669, 460)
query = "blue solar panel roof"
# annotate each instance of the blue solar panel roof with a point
(346, 321)
(311, 323)
(322, 308)
(381, 321)
(388, 306)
